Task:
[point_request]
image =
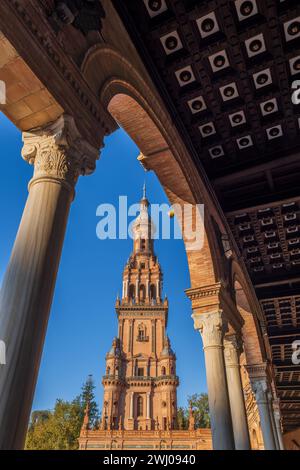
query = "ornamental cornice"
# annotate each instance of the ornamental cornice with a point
(204, 291)
(208, 298)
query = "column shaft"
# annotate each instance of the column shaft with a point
(25, 301)
(272, 417)
(278, 427)
(236, 397)
(131, 405)
(211, 326)
(260, 388)
(28, 285)
(148, 405)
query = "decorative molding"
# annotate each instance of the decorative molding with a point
(83, 15)
(58, 152)
(205, 291)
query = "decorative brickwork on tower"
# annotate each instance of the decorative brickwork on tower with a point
(140, 382)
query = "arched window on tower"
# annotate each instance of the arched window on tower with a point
(142, 293)
(142, 333)
(143, 244)
(163, 371)
(131, 294)
(140, 406)
(152, 293)
(108, 371)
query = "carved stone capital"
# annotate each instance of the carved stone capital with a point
(58, 152)
(260, 389)
(212, 327)
(257, 371)
(232, 349)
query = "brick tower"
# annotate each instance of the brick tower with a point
(140, 382)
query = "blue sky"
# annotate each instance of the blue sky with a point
(83, 321)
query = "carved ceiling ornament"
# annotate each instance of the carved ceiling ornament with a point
(85, 15)
(58, 152)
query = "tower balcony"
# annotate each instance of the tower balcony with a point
(113, 380)
(142, 339)
(147, 380)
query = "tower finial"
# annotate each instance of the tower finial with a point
(144, 190)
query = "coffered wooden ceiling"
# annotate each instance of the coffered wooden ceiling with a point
(226, 71)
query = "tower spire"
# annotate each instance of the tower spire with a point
(144, 191)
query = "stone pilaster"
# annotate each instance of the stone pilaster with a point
(212, 327)
(59, 156)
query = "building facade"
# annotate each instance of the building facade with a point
(140, 384)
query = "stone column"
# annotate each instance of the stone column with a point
(148, 405)
(235, 390)
(59, 156)
(260, 389)
(131, 406)
(271, 412)
(277, 419)
(157, 290)
(137, 293)
(212, 328)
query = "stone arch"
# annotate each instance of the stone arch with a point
(131, 292)
(152, 292)
(142, 293)
(249, 309)
(130, 101)
(142, 332)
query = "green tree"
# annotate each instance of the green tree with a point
(88, 396)
(199, 404)
(182, 418)
(59, 429)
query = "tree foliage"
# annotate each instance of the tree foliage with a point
(199, 404)
(88, 396)
(59, 429)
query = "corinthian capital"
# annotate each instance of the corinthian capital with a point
(260, 388)
(212, 327)
(58, 152)
(232, 349)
